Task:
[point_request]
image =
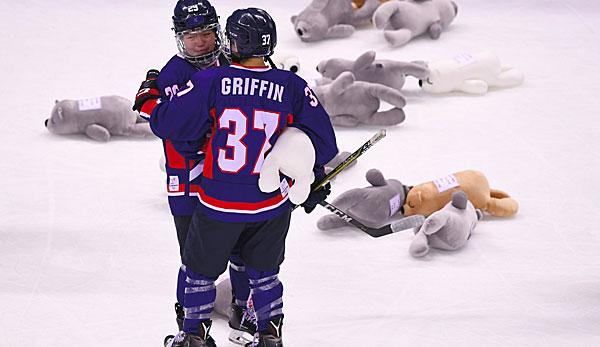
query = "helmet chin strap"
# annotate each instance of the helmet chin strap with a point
(270, 61)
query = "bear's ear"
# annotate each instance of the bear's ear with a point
(342, 82)
(364, 61)
(293, 19)
(375, 177)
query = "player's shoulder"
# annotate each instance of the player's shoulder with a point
(290, 77)
(175, 70)
(208, 76)
(175, 63)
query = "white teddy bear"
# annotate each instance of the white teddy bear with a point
(298, 167)
(472, 74)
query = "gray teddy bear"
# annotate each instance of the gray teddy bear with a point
(366, 68)
(447, 229)
(328, 19)
(404, 20)
(98, 118)
(373, 206)
(350, 103)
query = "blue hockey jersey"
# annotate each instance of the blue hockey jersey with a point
(182, 174)
(245, 109)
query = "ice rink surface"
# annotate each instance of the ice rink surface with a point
(88, 253)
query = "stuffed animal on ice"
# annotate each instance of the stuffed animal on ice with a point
(387, 72)
(447, 229)
(328, 19)
(298, 166)
(337, 160)
(428, 197)
(223, 297)
(287, 62)
(404, 20)
(468, 73)
(350, 103)
(373, 206)
(98, 118)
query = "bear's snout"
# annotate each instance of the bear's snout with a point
(46, 123)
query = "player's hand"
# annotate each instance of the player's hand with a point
(316, 197)
(148, 95)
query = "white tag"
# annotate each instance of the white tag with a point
(89, 104)
(446, 183)
(173, 183)
(394, 204)
(464, 59)
(284, 187)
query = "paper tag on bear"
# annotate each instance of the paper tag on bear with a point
(445, 183)
(395, 204)
(89, 104)
(173, 183)
(464, 59)
(284, 187)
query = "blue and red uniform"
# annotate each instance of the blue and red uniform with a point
(245, 109)
(182, 173)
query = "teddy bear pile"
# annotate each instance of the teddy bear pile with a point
(352, 92)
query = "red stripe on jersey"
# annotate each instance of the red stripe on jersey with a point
(180, 188)
(194, 188)
(236, 205)
(174, 159)
(208, 162)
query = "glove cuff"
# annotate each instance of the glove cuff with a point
(148, 107)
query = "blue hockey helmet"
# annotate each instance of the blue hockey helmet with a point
(191, 17)
(251, 33)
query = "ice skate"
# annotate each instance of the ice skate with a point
(203, 339)
(179, 315)
(243, 323)
(272, 336)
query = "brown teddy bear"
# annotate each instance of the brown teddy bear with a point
(428, 197)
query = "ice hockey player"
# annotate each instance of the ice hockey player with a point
(247, 106)
(200, 44)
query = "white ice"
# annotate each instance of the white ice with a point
(88, 253)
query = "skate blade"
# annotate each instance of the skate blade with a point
(240, 337)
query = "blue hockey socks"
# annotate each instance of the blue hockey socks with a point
(267, 295)
(181, 284)
(239, 280)
(199, 300)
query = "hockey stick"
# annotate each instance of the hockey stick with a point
(351, 158)
(402, 224)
